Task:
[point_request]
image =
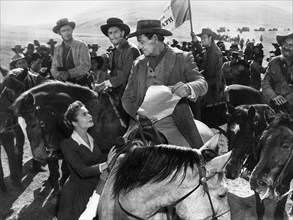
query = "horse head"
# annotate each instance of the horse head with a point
(274, 169)
(12, 86)
(161, 176)
(43, 107)
(245, 125)
(43, 114)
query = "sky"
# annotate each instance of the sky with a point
(33, 12)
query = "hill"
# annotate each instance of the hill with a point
(213, 14)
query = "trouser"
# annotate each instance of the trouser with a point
(7, 139)
(19, 136)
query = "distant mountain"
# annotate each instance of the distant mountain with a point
(213, 14)
(205, 14)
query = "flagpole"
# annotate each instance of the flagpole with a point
(191, 28)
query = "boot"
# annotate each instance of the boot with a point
(19, 163)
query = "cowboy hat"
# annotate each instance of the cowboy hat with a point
(17, 47)
(99, 60)
(281, 39)
(62, 22)
(16, 58)
(207, 31)
(52, 42)
(115, 22)
(149, 27)
(31, 46)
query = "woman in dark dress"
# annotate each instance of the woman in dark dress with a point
(85, 162)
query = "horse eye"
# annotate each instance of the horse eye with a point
(285, 146)
(42, 124)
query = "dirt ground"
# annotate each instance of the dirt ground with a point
(34, 201)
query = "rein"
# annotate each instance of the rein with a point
(47, 141)
(280, 178)
(116, 111)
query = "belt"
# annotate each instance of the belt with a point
(215, 104)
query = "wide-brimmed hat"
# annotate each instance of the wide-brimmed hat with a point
(115, 22)
(149, 27)
(52, 42)
(207, 31)
(62, 22)
(16, 58)
(99, 60)
(17, 47)
(30, 46)
(281, 39)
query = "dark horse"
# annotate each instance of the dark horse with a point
(215, 115)
(14, 83)
(244, 128)
(43, 107)
(272, 175)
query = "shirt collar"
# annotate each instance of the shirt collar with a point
(75, 136)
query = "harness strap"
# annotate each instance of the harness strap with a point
(122, 122)
(260, 208)
(282, 174)
(128, 213)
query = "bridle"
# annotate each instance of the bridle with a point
(203, 179)
(253, 139)
(47, 136)
(281, 176)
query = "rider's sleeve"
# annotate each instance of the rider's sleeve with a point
(129, 96)
(194, 78)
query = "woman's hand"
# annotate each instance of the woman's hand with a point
(111, 155)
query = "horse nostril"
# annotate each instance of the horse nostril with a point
(223, 194)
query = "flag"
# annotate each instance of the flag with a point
(174, 15)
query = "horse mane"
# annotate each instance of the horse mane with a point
(54, 86)
(281, 119)
(152, 164)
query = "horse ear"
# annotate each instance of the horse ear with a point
(11, 94)
(269, 114)
(219, 163)
(231, 109)
(251, 112)
(29, 100)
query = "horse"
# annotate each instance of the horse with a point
(272, 175)
(244, 128)
(215, 115)
(43, 107)
(13, 84)
(148, 178)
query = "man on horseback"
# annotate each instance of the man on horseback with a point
(71, 60)
(163, 65)
(277, 88)
(121, 56)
